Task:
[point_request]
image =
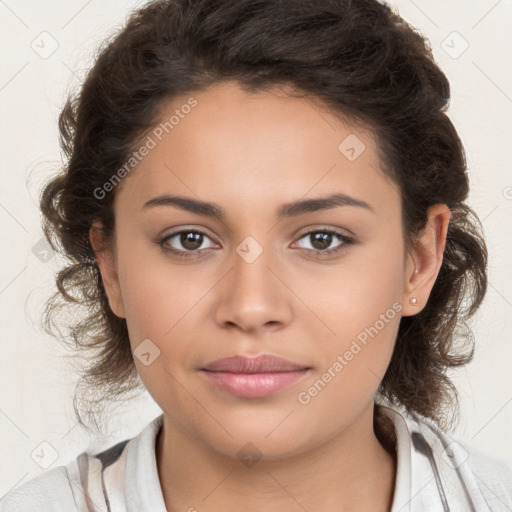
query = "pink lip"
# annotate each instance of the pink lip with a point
(253, 377)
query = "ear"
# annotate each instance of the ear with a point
(424, 260)
(106, 260)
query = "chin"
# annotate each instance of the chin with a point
(258, 440)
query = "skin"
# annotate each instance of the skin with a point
(249, 154)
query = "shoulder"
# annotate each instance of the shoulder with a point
(492, 474)
(81, 484)
(73, 487)
(50, 491)
(444, 469)
(479, 472)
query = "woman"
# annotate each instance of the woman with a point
(264, 209)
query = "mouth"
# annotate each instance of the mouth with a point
(253, 377)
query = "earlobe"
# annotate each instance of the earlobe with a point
(425, 259)
(106, 263)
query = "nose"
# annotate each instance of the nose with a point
(253, 296)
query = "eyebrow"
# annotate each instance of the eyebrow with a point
(292, 209)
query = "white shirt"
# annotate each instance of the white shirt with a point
(435, 473)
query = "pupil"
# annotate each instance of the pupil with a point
(190, 240)
(322, 240)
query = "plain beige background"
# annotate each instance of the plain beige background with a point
(47, 47)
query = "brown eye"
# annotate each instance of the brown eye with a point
(185, 243)
(322, 240)
(191, 240)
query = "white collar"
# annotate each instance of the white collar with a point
(433, 472)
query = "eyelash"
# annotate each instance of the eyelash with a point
(347, 241)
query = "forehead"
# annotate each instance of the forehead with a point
(241, 148)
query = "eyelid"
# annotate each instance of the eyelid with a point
(315, 228)
(187, 229)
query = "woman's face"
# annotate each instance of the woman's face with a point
(255, 282)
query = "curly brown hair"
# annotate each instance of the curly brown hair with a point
(363, 61)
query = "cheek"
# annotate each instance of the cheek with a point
(160, 317)
(165, 303)
(354, 363)
(157, 294)
(360, 309)
(350, 295)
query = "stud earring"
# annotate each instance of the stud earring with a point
(413, 301)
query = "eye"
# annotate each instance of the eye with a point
(190, 240)
(321, 240)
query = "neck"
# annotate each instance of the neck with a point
(353, 471)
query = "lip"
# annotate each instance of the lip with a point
(261, 364)
(253, 377)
